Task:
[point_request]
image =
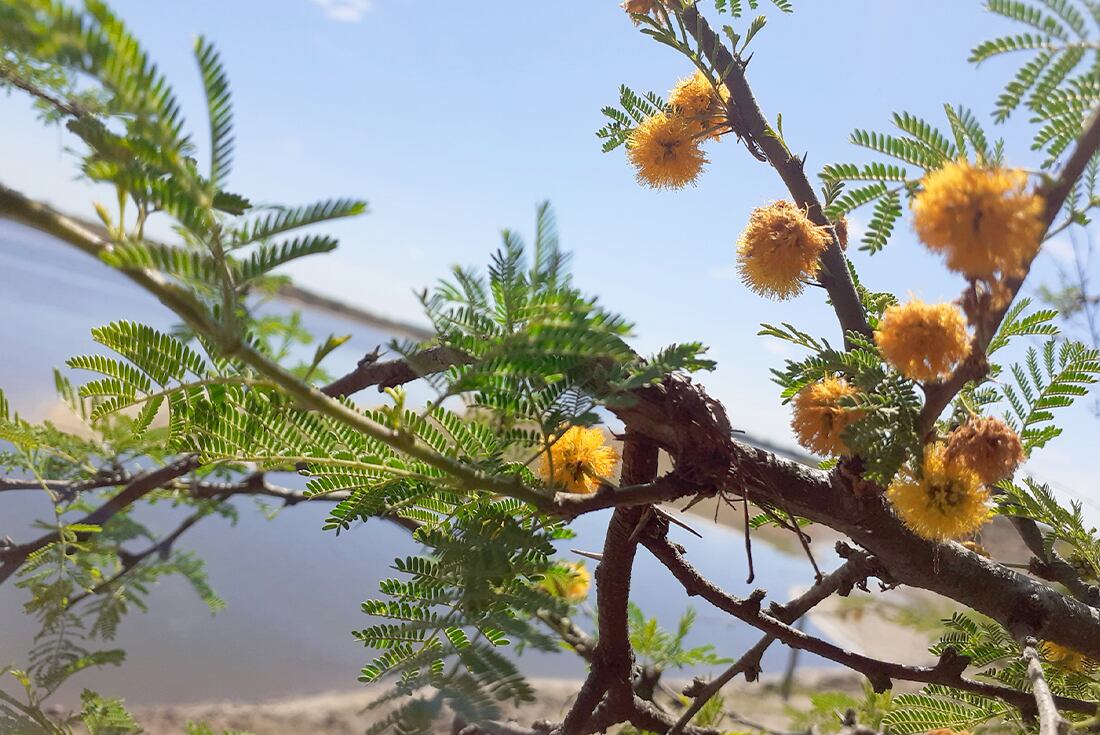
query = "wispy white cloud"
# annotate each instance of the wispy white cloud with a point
(345, 11)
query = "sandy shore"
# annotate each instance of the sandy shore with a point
(346, 713)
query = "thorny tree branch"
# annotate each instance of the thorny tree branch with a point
(853, 572)
(682, 419)
(693, 428)
(836, 279)
(947, 671)
(751, 123)
(610, 674)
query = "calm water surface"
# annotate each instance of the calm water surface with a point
(292, 591)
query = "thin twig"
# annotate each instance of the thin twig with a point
(1049, 565)
(947, 671)
(748, 540)
(12, 557)
(131, 561)
(853, 571)
(1051, 721)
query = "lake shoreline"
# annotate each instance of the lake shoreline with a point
(347, 713)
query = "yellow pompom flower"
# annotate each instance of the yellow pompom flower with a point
(946, 501)
(923, 341)
(983, 220)
(988, 446)
(1065, 657)
(697, 100)
(819, 417)
(779, 250)
(572, 586)
(577, 461)
(664, 152)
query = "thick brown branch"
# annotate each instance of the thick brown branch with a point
(947, 671)
(693, 428)
(612, 659)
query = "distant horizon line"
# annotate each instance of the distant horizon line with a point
(318, 302)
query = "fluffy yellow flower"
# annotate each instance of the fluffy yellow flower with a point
(988, 446)
(983, 220)
(1065, 657)
(946, 501)
(665, 152)
(819, 418)
(574, 587)
(578, 460)
(697, 101)
(923, 341)
(779, 250)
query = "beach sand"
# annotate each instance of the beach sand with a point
(346, 713)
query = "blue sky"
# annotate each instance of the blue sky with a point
(454, 119)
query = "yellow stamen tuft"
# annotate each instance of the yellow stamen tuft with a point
(923, 341)
(1065, 657)
(664, 152)
(697, 100)
(983, 220)
(779, 250)
(574, 588)
(947, 501)
(819, 418)
(578, 460)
